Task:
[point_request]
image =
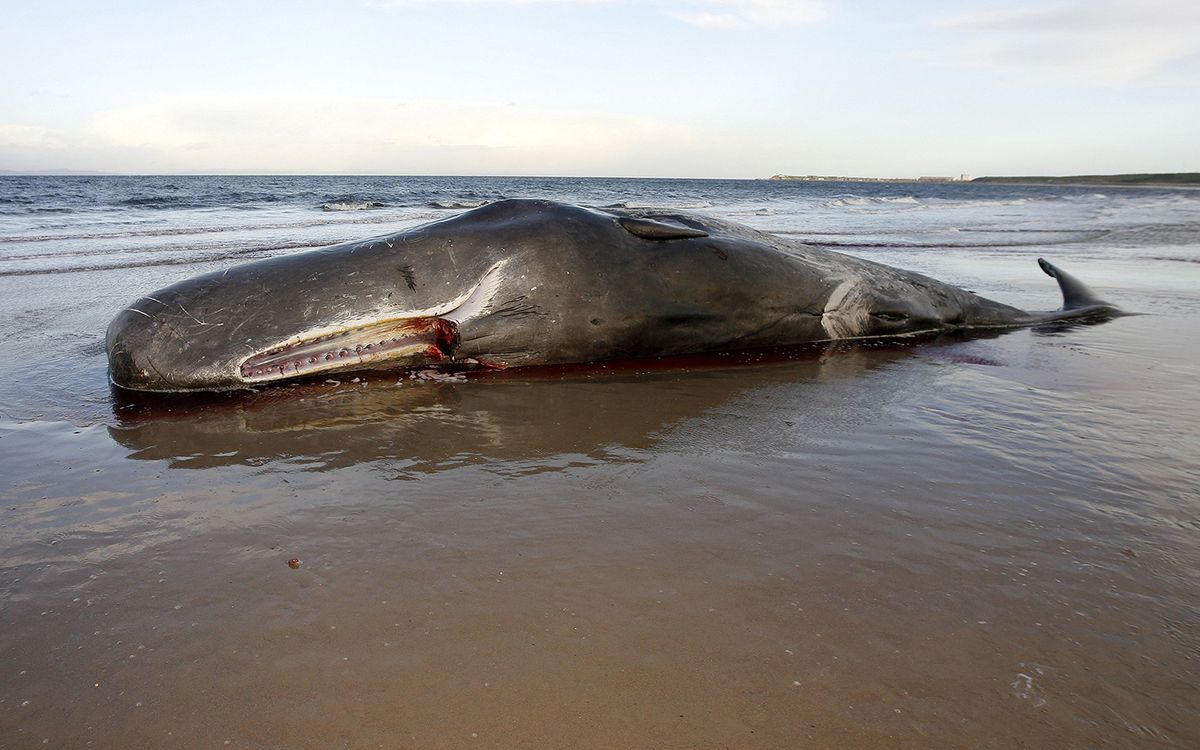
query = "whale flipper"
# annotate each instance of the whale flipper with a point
(1075, 293)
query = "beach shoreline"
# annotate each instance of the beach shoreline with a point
(979, 541)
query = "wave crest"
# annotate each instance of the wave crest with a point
(458, 204)
(682, 205)
(350, 205)
(843, 201)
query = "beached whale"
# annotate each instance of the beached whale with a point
(531, 282)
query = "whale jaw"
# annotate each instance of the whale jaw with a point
(395, 343)
(414, 339)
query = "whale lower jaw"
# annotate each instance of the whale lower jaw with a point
(394, 343)
(411, 339)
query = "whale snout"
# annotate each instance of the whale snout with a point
(158, 344)
(126, 344)
(138, 343)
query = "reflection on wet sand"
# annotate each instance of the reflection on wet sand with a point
(424, 426)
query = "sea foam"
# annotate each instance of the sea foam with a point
(350, 205)
(458, 204)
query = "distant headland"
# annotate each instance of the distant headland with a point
(830, 178)
(1164, 179)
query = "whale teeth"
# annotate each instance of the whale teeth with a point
(398, 339)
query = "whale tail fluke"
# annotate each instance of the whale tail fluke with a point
(1075, 293)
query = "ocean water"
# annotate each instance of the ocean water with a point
(73, 250)
(983, 542)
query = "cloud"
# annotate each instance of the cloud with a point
(14, 137)
(346, 135)
(1101, 40)
(715, 14)
(745, 14)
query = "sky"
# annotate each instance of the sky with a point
(657, 88)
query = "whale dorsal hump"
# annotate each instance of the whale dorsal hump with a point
(1075, 292)
(657, 229)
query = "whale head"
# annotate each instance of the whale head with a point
(358, 306)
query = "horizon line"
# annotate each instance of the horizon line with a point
(778, 177)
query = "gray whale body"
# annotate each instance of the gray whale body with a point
(530, 282)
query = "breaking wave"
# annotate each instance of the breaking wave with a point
(351, 205)
(1174, 259)
(148, 260)
(681, 205)
(183, 231)
(857, 200)
(155, 201)
(806, 239)
(458, 204)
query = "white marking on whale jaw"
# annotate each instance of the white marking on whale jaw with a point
(403, 338)
(478, 300)
(847, 312)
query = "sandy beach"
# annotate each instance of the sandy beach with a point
(971, 542)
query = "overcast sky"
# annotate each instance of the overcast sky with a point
(687, 88)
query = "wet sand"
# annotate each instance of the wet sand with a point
(979, 543)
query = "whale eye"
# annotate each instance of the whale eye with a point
(889, 316)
